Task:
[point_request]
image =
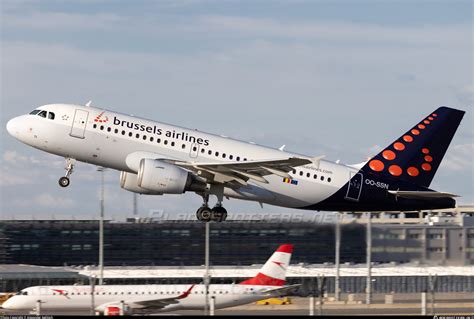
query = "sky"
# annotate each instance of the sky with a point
(336, 78)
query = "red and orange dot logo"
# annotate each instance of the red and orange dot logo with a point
(395, 170)
(388, 155)
(399, 146)
(413, 171)
(376, 165)
(426, 167)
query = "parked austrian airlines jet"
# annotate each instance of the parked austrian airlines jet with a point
(269, 282)
(157, 158)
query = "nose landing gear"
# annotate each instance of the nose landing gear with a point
(64, 181)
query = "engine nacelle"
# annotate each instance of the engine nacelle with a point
(164, 178)
(129, 181)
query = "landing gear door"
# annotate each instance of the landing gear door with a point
(79, 123)
(194, 151)
(355, 186)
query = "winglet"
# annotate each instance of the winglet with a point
(186, 293)
(88, 104)
(282, 147)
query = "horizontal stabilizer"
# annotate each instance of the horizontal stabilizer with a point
(422, 195)
(283, 290)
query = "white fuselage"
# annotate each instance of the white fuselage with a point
(79, 297)
(73, 133)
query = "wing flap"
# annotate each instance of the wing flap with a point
(241, 172)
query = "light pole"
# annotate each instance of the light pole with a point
(368, 296)
(337, 293)
(206, 276)
(101, 227)
(92, 283)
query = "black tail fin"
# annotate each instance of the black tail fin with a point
(416, 155)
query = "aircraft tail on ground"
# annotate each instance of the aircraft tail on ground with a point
(273, 273)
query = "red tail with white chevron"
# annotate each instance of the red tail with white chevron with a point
(273, 273)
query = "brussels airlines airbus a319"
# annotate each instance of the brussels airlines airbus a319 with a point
(157, 158)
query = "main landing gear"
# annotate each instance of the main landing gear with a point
(64, 181)
(216, 214)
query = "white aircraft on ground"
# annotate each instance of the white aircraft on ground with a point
(269, 282)
(157, 158)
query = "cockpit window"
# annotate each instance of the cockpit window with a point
(51, 115)
(34, 112)
(43, 114)
(22, 293)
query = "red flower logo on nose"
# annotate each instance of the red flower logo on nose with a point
(101, 119)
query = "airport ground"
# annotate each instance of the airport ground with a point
(403, 304)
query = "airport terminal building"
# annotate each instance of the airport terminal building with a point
(141, 242)
(406, 251)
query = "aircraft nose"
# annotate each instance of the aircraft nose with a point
(12, 126)
(7, 304)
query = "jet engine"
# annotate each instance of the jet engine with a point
(160, 177)
(129, 182)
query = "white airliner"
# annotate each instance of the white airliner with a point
(269, 282)
(157, 158)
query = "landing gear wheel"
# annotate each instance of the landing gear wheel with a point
(64, 181)
(203, 214)
(219, 214)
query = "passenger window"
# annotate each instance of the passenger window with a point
(158, 140)
(308, 175)
(51, 115)
(231, 156)
(172, 143)
(94, 126)
(322, 178)
(101, 127)
(109, 129)
(130, 134)
(194, 149)
(144, 137)
(183, 146)
(202, 150)
(43, 114)
(294, 171)
(123, 132)
(315, 176)
(217, 153)
(238, 158)
(34, 112)
(165, 142)
(137, 135)
(209, 152)
(245, 159)
(116, 130)
(301, 173)
(223, 155)
(329, 179)
(151, 139)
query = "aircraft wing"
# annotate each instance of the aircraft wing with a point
(157, 303)
(281, 291)
(241, 172)
(422, 194)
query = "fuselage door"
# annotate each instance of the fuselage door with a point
(355, 186)
(79, 123)
(194, 151)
